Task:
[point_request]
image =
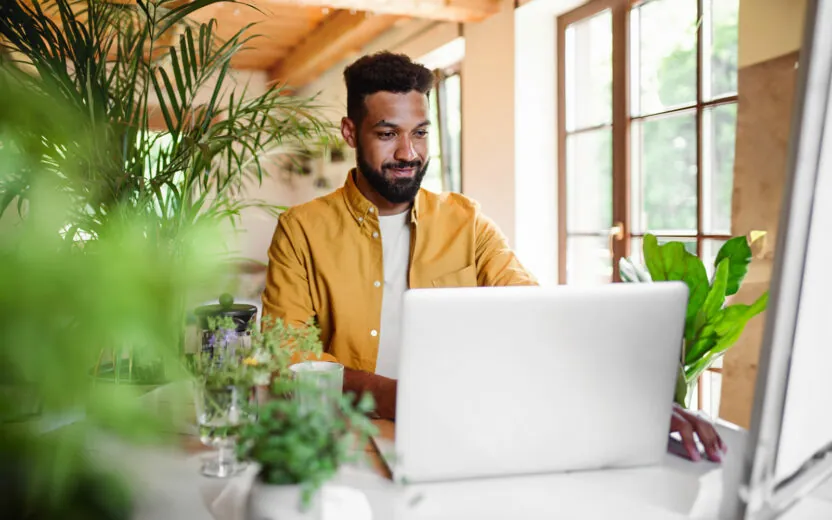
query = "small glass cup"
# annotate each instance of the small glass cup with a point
(220, 415)
(319, 384)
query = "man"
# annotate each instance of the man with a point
(347, 258)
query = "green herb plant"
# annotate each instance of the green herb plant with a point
(267, 351)
(711, 326)
(294, 445)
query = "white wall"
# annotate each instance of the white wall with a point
(488, 116)
(536, 221)
(509, 127)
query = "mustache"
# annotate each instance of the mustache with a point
(400, 165)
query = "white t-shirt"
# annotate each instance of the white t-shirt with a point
(395, 244)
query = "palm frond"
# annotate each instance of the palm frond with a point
(115, 65)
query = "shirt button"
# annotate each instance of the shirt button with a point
(375, 234)
(374, 333)
(371, 210)
(377, 283)
(361, 219)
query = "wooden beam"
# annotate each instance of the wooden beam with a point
(340, 34)
(444, 10)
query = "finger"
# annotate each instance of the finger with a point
(722, 445)
(686, 432)
(708, 434)
(709, 437)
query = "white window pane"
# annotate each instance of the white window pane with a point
(663, 55)
(664, 175)
(589, 181)
(719, 68)
(719, 125)
(588, 71)
(588, 260)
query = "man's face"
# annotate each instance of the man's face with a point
(391, 143)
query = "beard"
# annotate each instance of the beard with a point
(394, 190)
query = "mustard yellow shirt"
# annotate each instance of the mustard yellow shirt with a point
(325, 262)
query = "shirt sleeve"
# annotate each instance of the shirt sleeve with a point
(496, 263)
(287, 295)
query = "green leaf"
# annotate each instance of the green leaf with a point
(179, 13)
(692, 372)
(723, 330)
(738, 252)
(733, 322)
(699, 346)
(672, 262)
(653, 258)
(681, 387)
(716, 295)
(630, 272)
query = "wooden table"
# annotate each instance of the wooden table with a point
(386, 430)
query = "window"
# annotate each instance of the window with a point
(445, 170)
(647, 116)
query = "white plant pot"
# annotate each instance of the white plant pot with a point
(272, 502)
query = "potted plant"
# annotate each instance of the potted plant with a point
(297, 449)
(229, 377)
(59, 304)
(712, 325)
(135, 74)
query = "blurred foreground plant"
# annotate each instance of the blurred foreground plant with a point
(60, 305)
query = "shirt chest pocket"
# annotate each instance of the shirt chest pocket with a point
(465, 277)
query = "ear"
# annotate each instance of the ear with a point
(349, 131)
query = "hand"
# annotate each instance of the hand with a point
(382, 388)
(686, 423)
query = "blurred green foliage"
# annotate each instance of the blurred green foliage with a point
(61, 304)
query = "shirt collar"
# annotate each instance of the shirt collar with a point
(360, 207)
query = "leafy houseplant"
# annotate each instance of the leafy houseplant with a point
(299, 449)
(59, 304)
(230, 373)
(711, 326)
(120, 66)
(268, 350)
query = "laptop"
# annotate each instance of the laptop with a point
(504, 381)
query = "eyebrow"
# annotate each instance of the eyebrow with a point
(387, 124)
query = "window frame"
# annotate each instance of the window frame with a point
(440, 98)
(622, 121)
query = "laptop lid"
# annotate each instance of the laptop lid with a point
(522, 380)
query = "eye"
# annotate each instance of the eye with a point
(386, 135)
(421, 133)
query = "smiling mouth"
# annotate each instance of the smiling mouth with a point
(402, 172)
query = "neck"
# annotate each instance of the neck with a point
(385, 207)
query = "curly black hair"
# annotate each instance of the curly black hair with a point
(382, 72)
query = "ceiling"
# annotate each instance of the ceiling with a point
(299, 40)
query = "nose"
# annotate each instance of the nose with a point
(405, 151)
